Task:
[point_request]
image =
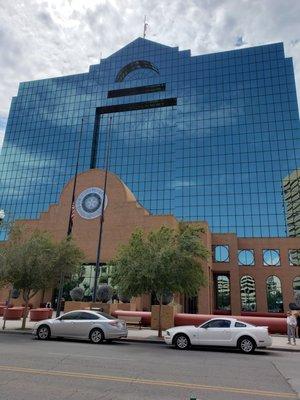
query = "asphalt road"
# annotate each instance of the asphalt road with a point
(60, 370)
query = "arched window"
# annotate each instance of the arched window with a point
(145, 69)
(222, 292)
(274, 294)
(248, 293)
(296, 286)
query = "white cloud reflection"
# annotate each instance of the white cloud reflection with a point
(43, 39)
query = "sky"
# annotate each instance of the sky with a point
(47, 38)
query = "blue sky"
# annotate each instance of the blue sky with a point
(47, 38)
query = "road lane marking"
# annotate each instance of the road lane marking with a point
(86, 356)
(121, 379)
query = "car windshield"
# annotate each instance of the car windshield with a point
(103, 314)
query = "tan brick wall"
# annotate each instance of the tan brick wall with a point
(259, 272)
(123, 214)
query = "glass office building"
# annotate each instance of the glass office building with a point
(208, 137)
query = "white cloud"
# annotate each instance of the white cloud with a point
(40, 39)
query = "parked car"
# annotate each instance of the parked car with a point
(220, 332)
(82, 324)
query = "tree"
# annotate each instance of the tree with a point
(33, 262)
(164, 261)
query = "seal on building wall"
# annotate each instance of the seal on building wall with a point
(89, 203)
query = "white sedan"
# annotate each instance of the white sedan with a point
(82, 324)
(220, 332)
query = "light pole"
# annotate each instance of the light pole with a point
(107, 155)
(70, 224)
(2, 216)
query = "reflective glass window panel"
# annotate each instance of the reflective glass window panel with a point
(274, 294)
(296, 288)
(221, 253)
(218, 323)
(85, 315)
(228, 153)
(240, 325)
(294, 257)
(222, 293)
(271, 258)
(248, 293)
(246, 257)
(71, 316)
(86, 280)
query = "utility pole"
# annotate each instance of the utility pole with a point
(70, 225)
(97, 268)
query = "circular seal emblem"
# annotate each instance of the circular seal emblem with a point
(89, 203)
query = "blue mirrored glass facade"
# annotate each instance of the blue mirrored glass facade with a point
(206, 137)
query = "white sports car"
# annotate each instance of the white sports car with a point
(220, 332)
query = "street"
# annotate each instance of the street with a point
(58, 369)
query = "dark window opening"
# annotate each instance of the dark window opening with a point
(138, 106)
(139, 64)
(136, 90)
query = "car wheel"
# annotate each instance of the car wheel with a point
(182, 342)
(246, 344)
(43, 332)
(96, 336)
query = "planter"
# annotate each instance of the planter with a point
(38, 314)
(145, 315)
(2, 308)
(125, 306)
(275, 325)
(262, 314)
(76, 305)
(167, 316)
(14, 313)
(222, 312)
(108, 308)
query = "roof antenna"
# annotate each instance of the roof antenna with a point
(145, 26)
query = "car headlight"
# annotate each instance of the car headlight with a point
(167, 333)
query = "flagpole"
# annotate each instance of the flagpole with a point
(70, 225)
(97, 268)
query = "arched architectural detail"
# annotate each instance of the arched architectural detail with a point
(296, 286)
(248, 293)
(274, 294)
(222, 292)
(138, 64)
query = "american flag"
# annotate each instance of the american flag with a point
(72, 215)
(72, 211)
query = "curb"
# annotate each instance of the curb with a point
(138, 340)
(16, 331)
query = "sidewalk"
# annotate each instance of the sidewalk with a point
(145, 335)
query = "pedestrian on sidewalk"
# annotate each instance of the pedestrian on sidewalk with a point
(298, 324)
(291, 327)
